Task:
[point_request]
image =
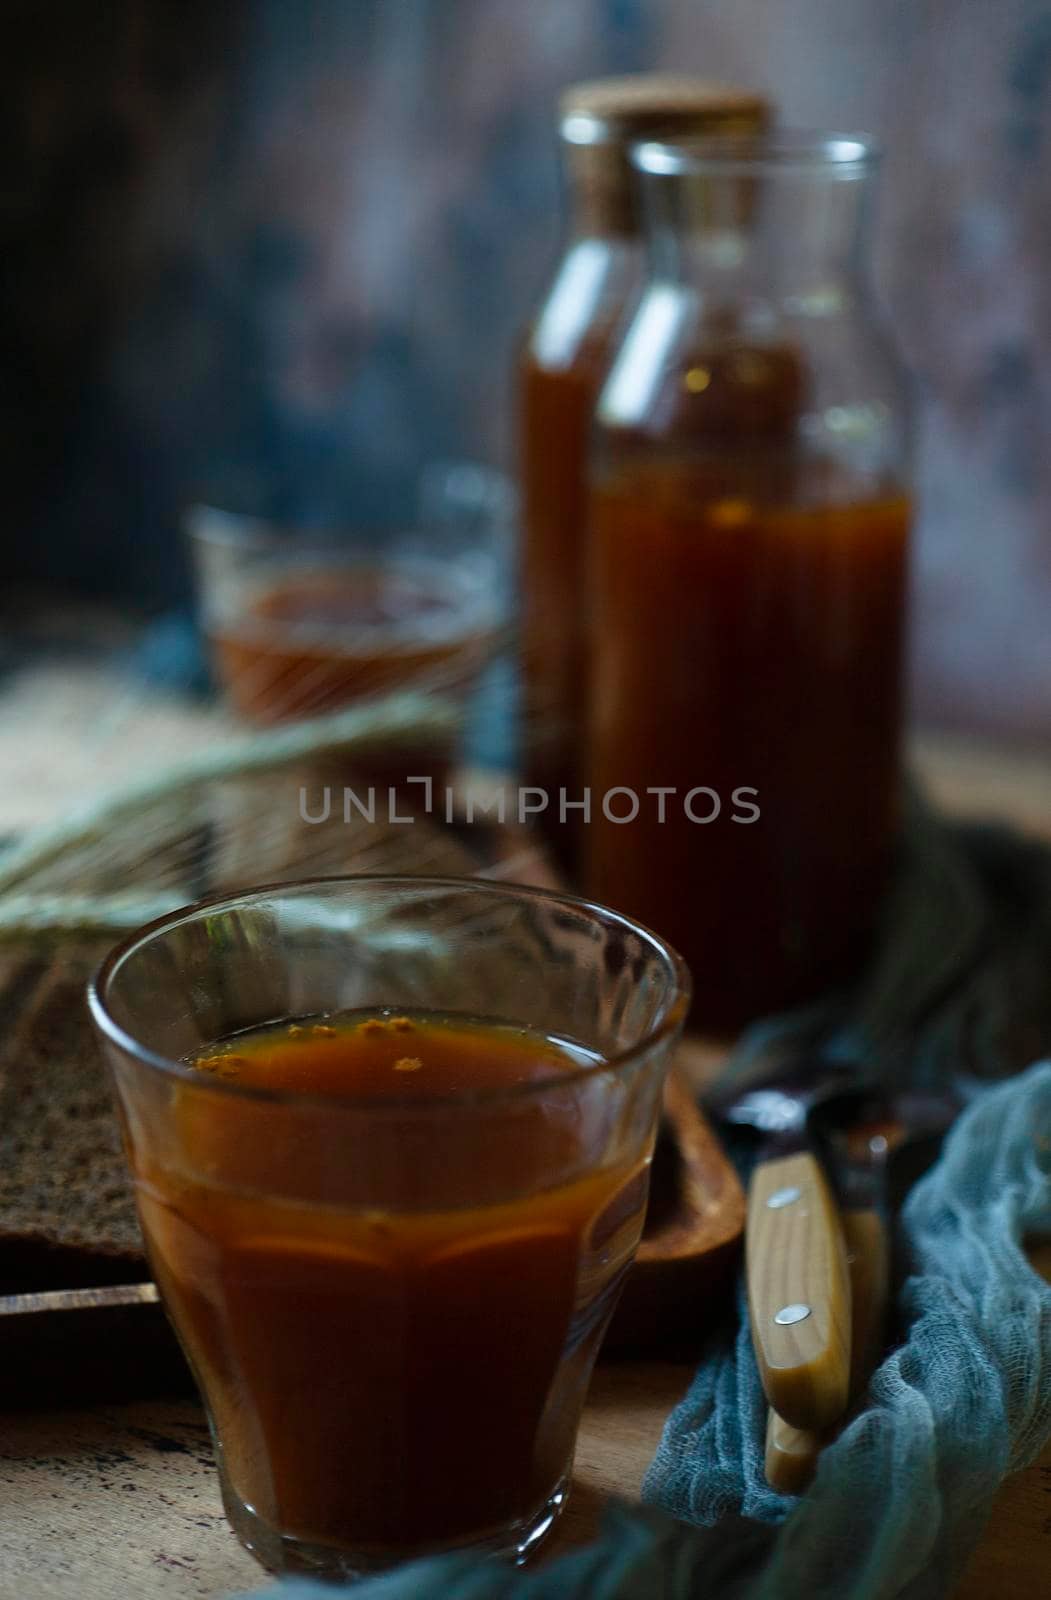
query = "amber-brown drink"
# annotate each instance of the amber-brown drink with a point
(391, 1142)
(400, 1375)
(315, 641)
(753, 644)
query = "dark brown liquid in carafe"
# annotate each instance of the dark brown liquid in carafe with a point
(747, 618)
(747, 633)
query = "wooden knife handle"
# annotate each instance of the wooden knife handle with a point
(798, 1291)
(791, 1453)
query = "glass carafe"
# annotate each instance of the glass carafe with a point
(749, 516)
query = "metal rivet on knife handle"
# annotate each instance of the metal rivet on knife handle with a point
(783, 1197)
(791, 1314)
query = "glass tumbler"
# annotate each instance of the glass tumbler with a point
(391, 1307)
(302, 620)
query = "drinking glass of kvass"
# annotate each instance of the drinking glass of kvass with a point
(301, 621)
(390, 1141)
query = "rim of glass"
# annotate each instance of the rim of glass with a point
(243, 530)
(208, 524)
(799, 152)
(210, 527)
(669, 1020)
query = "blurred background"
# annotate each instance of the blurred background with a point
(277, 254)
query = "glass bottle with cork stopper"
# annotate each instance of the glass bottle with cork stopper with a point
(749, 518)
(563, 362)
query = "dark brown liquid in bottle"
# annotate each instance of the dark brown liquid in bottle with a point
(557, 405)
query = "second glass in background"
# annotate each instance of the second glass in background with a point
(302, 621)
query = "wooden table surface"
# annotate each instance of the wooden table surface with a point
(122, 1501)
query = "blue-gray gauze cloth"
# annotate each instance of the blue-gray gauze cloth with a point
(959, 991)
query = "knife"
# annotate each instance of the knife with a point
(795, 1254)
(859, 1134)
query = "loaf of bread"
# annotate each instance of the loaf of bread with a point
(67, 1216)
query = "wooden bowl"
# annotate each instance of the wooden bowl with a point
(680, 1282)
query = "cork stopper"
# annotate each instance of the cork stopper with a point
(600, 120)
